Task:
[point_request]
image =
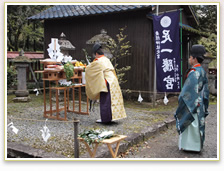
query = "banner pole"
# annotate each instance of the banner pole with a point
(154, 85)
(181, 48)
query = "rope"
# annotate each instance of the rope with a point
(124, 90)
(137, 91)
(39, 89)
(36, 120)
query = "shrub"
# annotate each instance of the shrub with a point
(120, 48)
(11, 76)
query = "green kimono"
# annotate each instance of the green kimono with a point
(192, 110)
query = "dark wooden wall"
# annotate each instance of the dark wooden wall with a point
(140, 33)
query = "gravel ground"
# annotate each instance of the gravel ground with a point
(165, 144)
(62, 139)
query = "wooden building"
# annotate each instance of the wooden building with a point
(81, 22)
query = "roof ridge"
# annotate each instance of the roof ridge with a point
(64, 11)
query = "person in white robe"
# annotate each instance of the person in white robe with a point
(102, 84)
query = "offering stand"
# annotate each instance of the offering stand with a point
(113, 140)
(53, 75)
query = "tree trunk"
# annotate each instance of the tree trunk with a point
(34, 42)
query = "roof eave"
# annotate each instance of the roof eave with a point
(40, 17)
(195, 31)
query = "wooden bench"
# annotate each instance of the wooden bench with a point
(116, 139)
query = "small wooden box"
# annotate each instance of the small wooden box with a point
(53, 75)
(62, 75)
(77, 73)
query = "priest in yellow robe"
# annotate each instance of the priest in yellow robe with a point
(102, 83)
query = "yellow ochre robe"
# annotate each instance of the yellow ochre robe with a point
(96, 73)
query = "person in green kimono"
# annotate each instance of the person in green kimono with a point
(193, 104)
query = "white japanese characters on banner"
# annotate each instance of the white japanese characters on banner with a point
(167, 51)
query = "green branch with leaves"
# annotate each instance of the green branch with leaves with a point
(120, 48)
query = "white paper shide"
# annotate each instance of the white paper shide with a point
(45, 132)
(54, 50)
(13, 128)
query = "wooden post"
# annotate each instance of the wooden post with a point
(57, 104)
(73, 97)
(65, 108)
(44, 99)
(57, 101)
(154, 85)
(50, 98)
(76, 142)
(80, 98)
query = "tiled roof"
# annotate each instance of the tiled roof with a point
(30, 55)
(63, 11)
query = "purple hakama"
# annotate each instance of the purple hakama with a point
(105, 105)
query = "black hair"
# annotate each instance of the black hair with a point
(198, 51)
(200, 59)
(99, 51)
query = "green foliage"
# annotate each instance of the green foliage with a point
(87, 56)
(11, 76)
(207, 15)
(121, 74)
(20, 32)
(69, 70)
(210, 44)
(91, 136)
(212, 99)
(120, 48)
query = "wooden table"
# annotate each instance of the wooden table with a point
(53, 75)
(117, 139)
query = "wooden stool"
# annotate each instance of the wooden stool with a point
(117, 139)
